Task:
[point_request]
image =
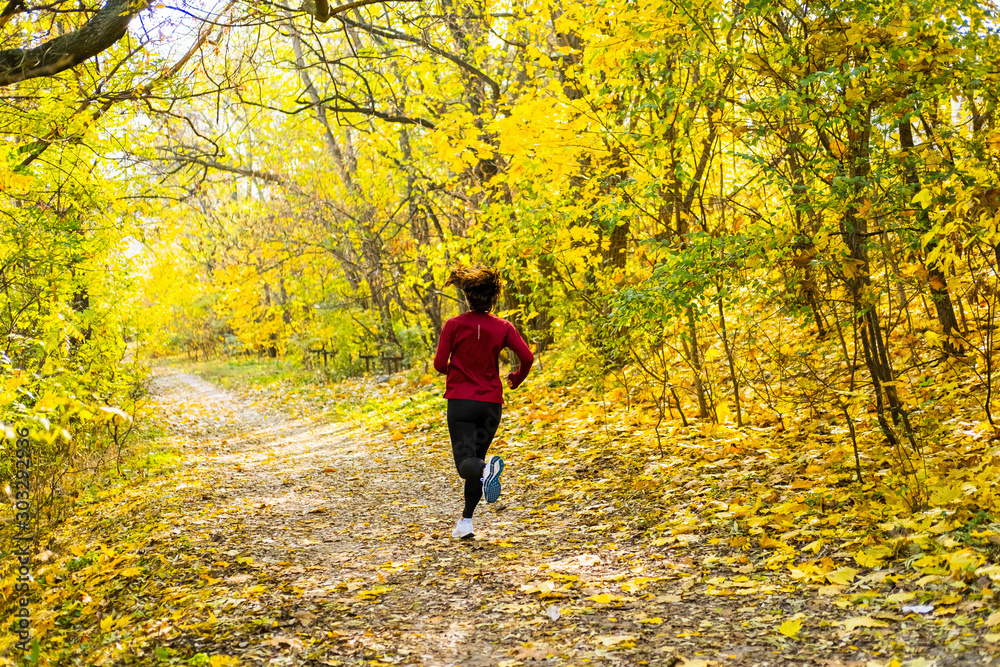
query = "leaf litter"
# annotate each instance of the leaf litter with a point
(286, 536)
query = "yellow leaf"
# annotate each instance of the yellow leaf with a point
(603, 598)
(852, 624)
(46, 402)
(655, 620)
(814, 546)
(963, 560)
(942, 495)
(852, 267)
(941, 527)
(872, 557)
(223, 661)
(373, 592)
(106, 623)
(842, 576)
(790, 628)
(923, 198)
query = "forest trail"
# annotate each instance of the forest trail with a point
(317, 544)
(354, 547)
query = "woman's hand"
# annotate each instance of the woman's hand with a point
(510, 382)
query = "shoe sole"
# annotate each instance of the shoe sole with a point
(491, 484)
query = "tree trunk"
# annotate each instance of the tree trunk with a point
(854, 229)
(940, 295)
(694, 358)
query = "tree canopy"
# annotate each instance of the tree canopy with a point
(729, 224)
(752, 213)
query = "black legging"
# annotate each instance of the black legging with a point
(472, 425)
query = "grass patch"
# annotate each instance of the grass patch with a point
(253, 373)
(257, 372)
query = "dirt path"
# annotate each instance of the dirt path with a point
(325, 546)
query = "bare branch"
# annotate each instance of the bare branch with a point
(35, 149)
(388, 33)
(242, 171)
(202, 38)
(321, 11)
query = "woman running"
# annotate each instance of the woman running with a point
(469, 354)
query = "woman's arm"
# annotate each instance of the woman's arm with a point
(444, 349)
(516, 343)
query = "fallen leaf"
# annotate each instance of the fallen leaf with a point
(694, 663)
(852, 624)
(902, 597)
(790, 628)
(278, 641)
(842, 576)
(304, 617)
(374, 591)
(529, 651)
(622, 641)
(771, 543)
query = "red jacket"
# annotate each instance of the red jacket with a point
(469, 354)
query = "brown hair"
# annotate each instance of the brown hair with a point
(482, 286)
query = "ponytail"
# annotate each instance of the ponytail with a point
(482, 286)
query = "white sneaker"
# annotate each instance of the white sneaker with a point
(463, 529)
(491, 479)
